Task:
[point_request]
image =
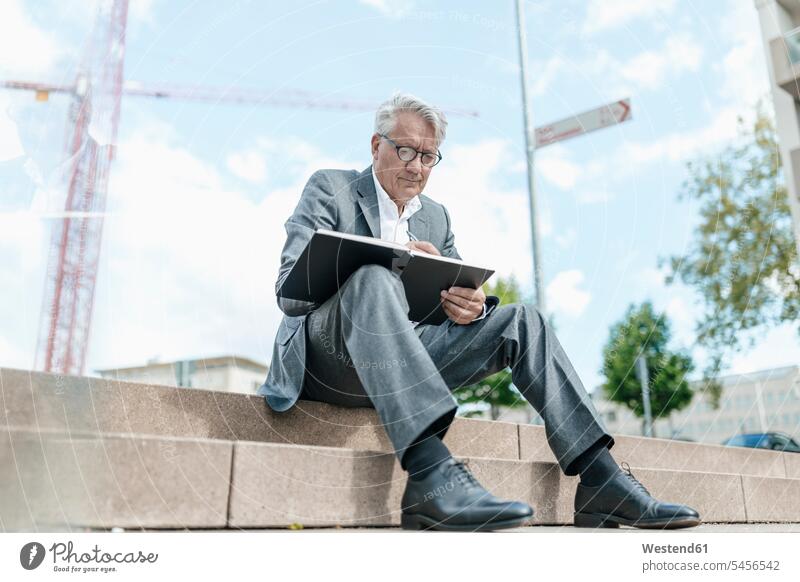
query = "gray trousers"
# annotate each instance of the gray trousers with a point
(363, 351)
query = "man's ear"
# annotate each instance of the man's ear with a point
(374, 143)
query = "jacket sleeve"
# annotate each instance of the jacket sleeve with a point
(316, 209)
(491, 302)
(449, 248)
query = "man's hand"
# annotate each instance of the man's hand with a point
(462, 304)
(424, 246)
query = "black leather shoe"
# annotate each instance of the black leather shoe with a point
(624, 500)
(451, 498)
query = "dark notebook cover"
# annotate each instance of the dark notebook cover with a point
(330, 257)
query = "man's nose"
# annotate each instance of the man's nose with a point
(415, 165)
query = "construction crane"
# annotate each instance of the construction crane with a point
(93, 123)
(283, 98)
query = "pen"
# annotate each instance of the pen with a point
(410, 235)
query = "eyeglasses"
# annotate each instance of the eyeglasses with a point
(407, 153)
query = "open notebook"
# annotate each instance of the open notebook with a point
(330, 257)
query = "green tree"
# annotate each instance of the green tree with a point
(643, 332)
(496, 390)
(742, 259)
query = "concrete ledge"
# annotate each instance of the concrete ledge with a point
(672, 454)
(792, 463)
(105, 481)
(317, 486)
(40, 401)
(771, 499)
(127, 481)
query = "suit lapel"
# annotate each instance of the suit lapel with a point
(418, 224)
(368, 201)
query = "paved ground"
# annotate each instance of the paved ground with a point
(539, 529)
(703, 528)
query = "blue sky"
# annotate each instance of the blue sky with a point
(200, 191)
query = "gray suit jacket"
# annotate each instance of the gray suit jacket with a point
(345, 201)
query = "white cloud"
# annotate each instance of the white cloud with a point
(651, 279)
(632, 156)
(10, 144)
(141, 10)
(590, 182)
(743, 68)
(189, 263)
(294, 156)
(586, 182)
(649, 69)
(554, 166)
(28, 50)
(85, 11)
(682, 318)
(610, 14)
(487, 214)
(680, 145)
(248, 165)
(564, 294)
(567, 238)
(545, 74)
(14, 356)
(21, 237)
(779, 347)
(743, 80)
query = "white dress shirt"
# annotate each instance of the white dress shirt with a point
(394, 227)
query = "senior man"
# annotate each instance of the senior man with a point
(359, 348)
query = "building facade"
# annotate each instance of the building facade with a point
(764, 401)
(780, 33)
(223, 373)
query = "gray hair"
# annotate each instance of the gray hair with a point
(386, 116)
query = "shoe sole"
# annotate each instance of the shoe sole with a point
(414, 521)
(602, 520)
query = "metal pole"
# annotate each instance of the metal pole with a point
(641, 369)
(530, 146)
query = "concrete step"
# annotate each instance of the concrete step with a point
(676, 455)
(36, 400)
(52, 479)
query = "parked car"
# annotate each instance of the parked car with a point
(776, 441)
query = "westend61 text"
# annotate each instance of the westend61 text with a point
(673, 549)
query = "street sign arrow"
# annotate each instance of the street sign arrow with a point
(583, 123)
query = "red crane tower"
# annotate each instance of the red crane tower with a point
(94, 114)
(75, 241)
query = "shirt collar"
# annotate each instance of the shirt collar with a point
(386, 202)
